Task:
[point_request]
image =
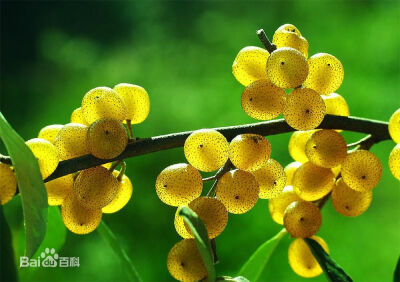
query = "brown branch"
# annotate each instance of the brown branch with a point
(265, 41)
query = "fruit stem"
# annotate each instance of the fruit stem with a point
(122, 171)
(130, 132)
(114, 165)
(265, 41)
(227, 167)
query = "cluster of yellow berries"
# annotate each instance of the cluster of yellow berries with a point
(96, 128)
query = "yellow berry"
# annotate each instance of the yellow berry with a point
(394, 126)
(71, 141)
(238, 190)
(8, 184)
(206, 149)
(312, 182)
(336, 170)
(361, 170)
(336, 105)
(304, 109)
(249, 65)
(95, 187)
(287, 68)
(178, 184)
(106, 138)
(302, 260)
(77, 218)
(184, 261)
(302, 219)
(103, 102)
(50, 132)
(262, 100)
(77, 116)
(179, 224)
(348, 201)
(249, 151)
(123, 195)
(289, 28)
(272, 178)
(326, 148)
(212, 212)
(58, 189)
(394, 161)
(288, 36)
(325, 73)
(278, 205)
(46, 154)
(290, 170)
(297, 145)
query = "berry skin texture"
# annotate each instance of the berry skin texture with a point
(336, 105)
(394, 161)
(71, 141)
(272, 179)
(361, 170)
(289, 28)
(184, 261)
(249, 151)
(106, 138)
(77, 218)
(287, 68)
(178, 184)
(8, 184)
(124, 194)
(288, 36)
(312, 182)
(95, 187)
(212, 212)
(103, 102)
(249, 65)
(238, 190)
(50, 132)
(302, 219)
(304, 109)
(325, 73)
(278, 205)
(179, 224)
(301, 259)
(206, 149)
(136, 100)
(394, 126)
(297, 145)
(290, 170)
(262, 100)
(58, 189)
(46, 154)
(349, 202)
(326, 148)
(77, 116)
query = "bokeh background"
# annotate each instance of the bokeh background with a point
(52, 53)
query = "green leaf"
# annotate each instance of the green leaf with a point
(201, 237)
(396, 277)
(255, 265)
(109, 236)
(30, 184)
(332, 270)
(233, 279)
(7, 266)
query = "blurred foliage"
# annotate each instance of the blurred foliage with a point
(52, 53)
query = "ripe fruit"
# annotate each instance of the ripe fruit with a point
(394, 126)
(290, 170)
(278, 205)
(301, 259)
(106, 138)
(71, 141)
(325, 73)
(77, 218)
(206, 149)
(272, 178)
(326, 148)
(238, 190)
(212, 212)
(302, 219)
(184, 261)
(297, 145)
(95, 187)
(8, 184)
(249, 151)
(336, 105)
(287, 68)
(289, 28)
(361, 170)
(45, 153)
(394, 161)
(123, 195)
(249, 65)
(103, 102)
(179, 224)
(262, 100)
(58, 189)
(289, 36)
(312, 182)
(304, 109)
(50, 132)
(77, 116)
(348, 201)
(178, 184)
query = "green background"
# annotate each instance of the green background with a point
(182, 53)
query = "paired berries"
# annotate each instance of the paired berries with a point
(50, 132)
(278, 205)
